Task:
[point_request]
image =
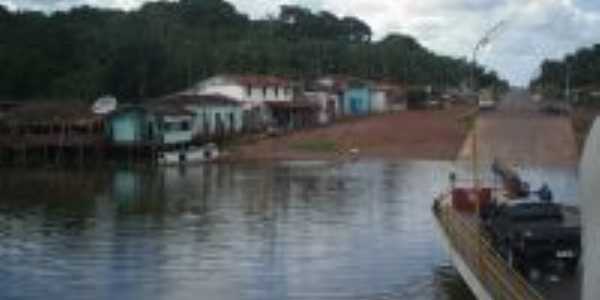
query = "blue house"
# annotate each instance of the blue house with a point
(357, 98)
(214, 115)
(149, 125)
(354, 96)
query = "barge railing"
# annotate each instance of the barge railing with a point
(499, 279)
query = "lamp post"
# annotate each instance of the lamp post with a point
(480, 44)
(484, 41)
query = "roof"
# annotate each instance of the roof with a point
(52, 112)
(192, 99)
(7, 105)
(339, 82)
(167, 110)
(293, 105)
(260, 80)
(155, 107)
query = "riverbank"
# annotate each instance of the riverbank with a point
(428, 135)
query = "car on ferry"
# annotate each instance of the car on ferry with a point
(536, 234)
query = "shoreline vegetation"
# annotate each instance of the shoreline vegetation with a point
(164, 47)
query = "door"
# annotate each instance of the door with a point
(355, 106)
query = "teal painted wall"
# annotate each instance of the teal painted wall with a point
(138, 126)
(357, 101)
(205, 118)
(127, 127)
(176, 130)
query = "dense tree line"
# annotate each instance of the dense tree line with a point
(578, 70)
(165, 46)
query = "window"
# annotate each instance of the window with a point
(185, 125)
(264, 90)
(249, 90)
(276, 92)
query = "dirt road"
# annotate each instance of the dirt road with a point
(519, 133)
(431, 135)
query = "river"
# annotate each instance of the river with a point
(289, 230)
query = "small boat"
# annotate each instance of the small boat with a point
(206, 153)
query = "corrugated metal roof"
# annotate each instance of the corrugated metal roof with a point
(187, 99)
(261, 80)
(291, 105)
(52, 112)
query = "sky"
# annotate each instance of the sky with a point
(534, 30)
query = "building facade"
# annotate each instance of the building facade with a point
(149, 125)
(214, 116)
(253, 92)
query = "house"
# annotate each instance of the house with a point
(172, 124)
(249, 89)
(266, 101)
(297, 114)
(388, 97)
(7, 106)
(325, 102)
(357, 98)
(353, 96)
(152, 124)
(51, 124)
(254, 92)
(214, 115)
(129, 125)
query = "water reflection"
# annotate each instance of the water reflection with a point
(282, 231)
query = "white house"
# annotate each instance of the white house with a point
(256, 93)
(387, 97)
(327, 105)
(214, 115)
(250, 89)
(379, 101)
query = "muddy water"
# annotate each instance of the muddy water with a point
(284, 231)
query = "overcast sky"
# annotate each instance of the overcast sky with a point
(536, 29)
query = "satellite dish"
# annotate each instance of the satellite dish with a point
(105, 105)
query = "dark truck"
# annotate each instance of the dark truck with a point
(535, 235)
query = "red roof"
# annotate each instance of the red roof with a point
(291, 105)
(261, 80)
(210, 99)
(339, 82)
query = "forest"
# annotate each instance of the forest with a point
(579, 70)
(164, 47)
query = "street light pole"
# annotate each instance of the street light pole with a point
(474, 63)
(484, 41)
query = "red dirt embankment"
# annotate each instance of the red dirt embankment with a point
(434, 135)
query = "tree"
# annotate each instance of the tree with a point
(163, 46)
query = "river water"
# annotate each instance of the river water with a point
(289, 230)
